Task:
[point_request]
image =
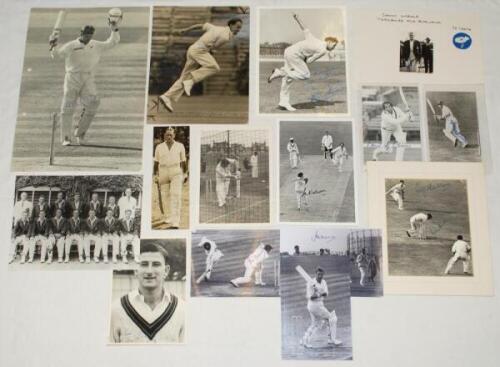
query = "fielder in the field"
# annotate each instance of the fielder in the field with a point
(254, 266)
(150, 313)
(223, 179)
(21, 235)
(297, 56)
(392, 118)
(169, 168)
(461, 252)
(213, 256)
(362, 263)
(327, 144)
(417, 225)
(397, 193)
(339, 155)
(301, 190)
(451, 130)
(200, 64)
(81, 59)
(293, 151)
(317, 291)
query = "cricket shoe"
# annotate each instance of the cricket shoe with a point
(11, 260)
(287, 107)
(334, 342)
(188, 84)
(465, 145)
(234, 284)
(408, 233)
(66, 142)
(275, 74)
(166, 102)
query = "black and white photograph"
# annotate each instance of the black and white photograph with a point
(81, 102)
(316, 172)
(315, 289)
(234, 176)
(428, 232)
(302, 61)
(365, 255)
(76, 222)
(170, 190)
(149, 300)
(199, 66)
(235, 263)
(391, 123)
(416, 53)
(452, 119)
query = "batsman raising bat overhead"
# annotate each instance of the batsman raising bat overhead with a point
(297, 56)
(81, 57)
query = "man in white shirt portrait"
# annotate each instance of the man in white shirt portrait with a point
(150, 313)
(127, 202)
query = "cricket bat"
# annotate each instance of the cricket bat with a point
(303, 274)
(403, 98)
(57, 28)
(160, 201)
(200, 278)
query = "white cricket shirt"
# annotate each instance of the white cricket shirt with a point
(460, 248)
(327, 141)
(214, 37)
(309, 47)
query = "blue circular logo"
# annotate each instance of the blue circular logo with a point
(462, 40)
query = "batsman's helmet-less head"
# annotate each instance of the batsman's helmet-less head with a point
(88, 29)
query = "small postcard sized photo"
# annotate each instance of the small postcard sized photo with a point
(149, 300)
(170, 187)
(75, 222)
(416, 53)
(81, 104)
(453, 123)
(435, 223)
(302, 61)
(200, 60)
(315, 289)
(234, 176)
(391, 123)
(235, 263)
(316, 172)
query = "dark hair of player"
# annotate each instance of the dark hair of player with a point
(460, 237)
(268, 248)
(319, 270)
(154, 247)
(234, 21)
(300, 174)
(88, 29)
(206, 245)
(429, 216)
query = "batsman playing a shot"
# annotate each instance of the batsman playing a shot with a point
(81, 59)
(293, 150)
(200, 64)
(254, 266)
(397, 193)
(451, 130)
(169, 168)
(339, 155)
(392, 118)
(316, 292)
(223, 179)
(417, 225)
(213, 256)
(301, 191)
(297, 56)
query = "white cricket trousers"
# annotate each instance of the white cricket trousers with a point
(295, 68)
(319, 314)
(23, 241)
(465, 262)
(293, 159)
(134, 241)
(222, 189)
(114, 240)
(250, 270)
(200, 64)
(45, 246)
(399, 135)
(97, 240)
(172, 177)
(211, 261)
(70, 240)
(398, 199)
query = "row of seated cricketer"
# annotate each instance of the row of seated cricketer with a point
(59, 234)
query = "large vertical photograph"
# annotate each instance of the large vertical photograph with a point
(315, 289)
(391, 123)
(234, 176)
(452, 119)
(302, 61)
(316, 172)
(199, 66)
(235, 263)
(170, 191)
(149, 300)
(428, 229)
(75, 222)
(81, 102)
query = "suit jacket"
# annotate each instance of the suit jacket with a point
(97, 206)
(63, 205)
(133, 228)
(22, 228)
(74, 227)
(417, 49)
(113, 227)
(61, 228)
(115, 209)
(93, 228)
(81, 208)
(427, 49)
(42, 229)
(37, 209)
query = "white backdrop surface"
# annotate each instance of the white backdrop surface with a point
(55, 318)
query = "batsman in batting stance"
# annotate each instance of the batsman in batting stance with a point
(213, 256)
(81, 59)
(254, 266)
(200, 64)
(451, 130)
(316, 293)
(297, 56)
